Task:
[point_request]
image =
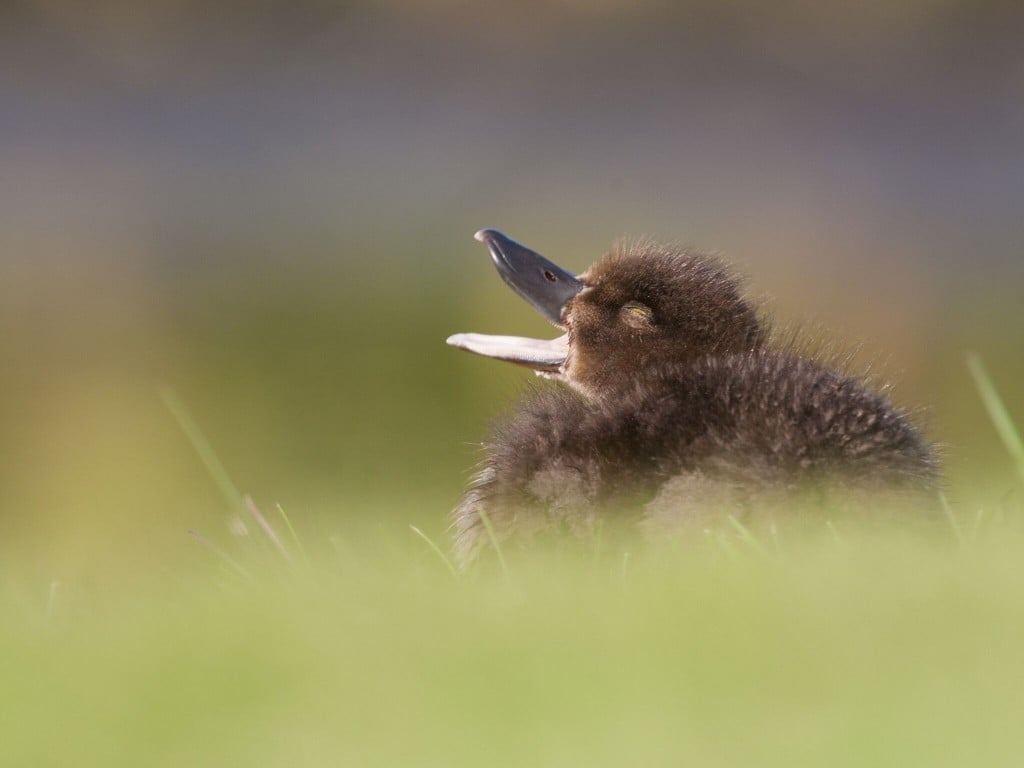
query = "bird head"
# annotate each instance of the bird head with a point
(636, 313)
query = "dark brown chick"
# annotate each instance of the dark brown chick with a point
(677, 408)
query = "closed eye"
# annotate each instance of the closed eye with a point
(637, 315)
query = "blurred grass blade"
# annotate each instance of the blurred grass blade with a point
(979, 518)
(51, 600)
(951, 517)
(494, 541)
(836, 536)
(718, 543)
(203, 448)
(997, 412)
(294, 535)
(267, 529)
(221, 554)
(436, 549)
(746, 536)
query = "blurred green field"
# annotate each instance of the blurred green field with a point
(829, 641)
(816, 647)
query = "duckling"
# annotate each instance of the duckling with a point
(676, 405)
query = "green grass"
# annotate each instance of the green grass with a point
(875, 649)
(998, 414)
(819, 643)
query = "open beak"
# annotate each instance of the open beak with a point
(543, 284)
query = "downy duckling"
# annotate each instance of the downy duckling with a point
(677, 408)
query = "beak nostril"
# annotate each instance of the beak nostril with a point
(550, 276)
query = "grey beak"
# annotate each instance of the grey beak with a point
(541, 282)
(545, 285)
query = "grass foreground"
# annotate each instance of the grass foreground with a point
(824, 642)
(819, 647)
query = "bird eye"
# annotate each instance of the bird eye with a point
(637, 315)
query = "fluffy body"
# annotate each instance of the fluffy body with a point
(683, 413)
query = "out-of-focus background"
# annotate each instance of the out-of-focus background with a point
(268, 208)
